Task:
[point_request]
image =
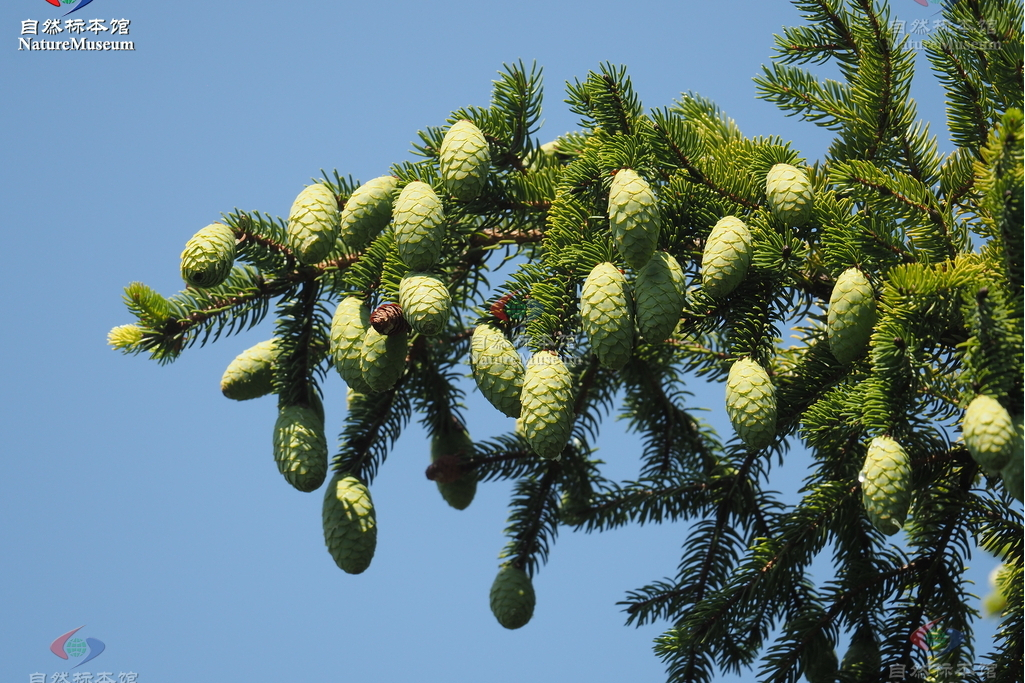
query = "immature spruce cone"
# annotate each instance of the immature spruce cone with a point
(425, 303)
(208, 256)
(886, 485)
(459, 488)
(418, 221)
(313, 224)
(367, 211)
(726, 257)
(383, 359)
(547, 404)
(852, 313)
(990, 434)
(497, 369)
(300, 448)
(659, 291)
(348, 329)
(634, 217)
(751, 403)
(512, 597)
(606, 311)
(249, 375)
(862, 661)
(790, 194)
(350, 524)
(465, 159)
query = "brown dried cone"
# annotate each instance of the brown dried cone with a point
(450, 451)
(388, 320)
(350, 524)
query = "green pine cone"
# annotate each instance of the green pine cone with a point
(886, 485)
(751, 403)
(659, 291)
(512, 597)
(418, 220)
(1012, 473)
(989, 434)
(497, 369)
(547, 404)
(250, 374)
(726, 257)
(465, 159)
(425, 303)
(350, 525)
(383, 359)
(460, 492)
(862, 661)
(348, 329)
(852, 314)
(209, 256)
(367, 211)
(313, 224)
(819, 659)
(790, 194)
(300, 448)
(634, 217)
(606, 311)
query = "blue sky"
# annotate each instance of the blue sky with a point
(140, 502)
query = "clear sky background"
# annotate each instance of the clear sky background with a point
(141, 503)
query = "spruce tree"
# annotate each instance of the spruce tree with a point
(655, 246)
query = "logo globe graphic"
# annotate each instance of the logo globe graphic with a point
(76, 647)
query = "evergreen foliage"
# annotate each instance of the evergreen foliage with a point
(937, 238)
